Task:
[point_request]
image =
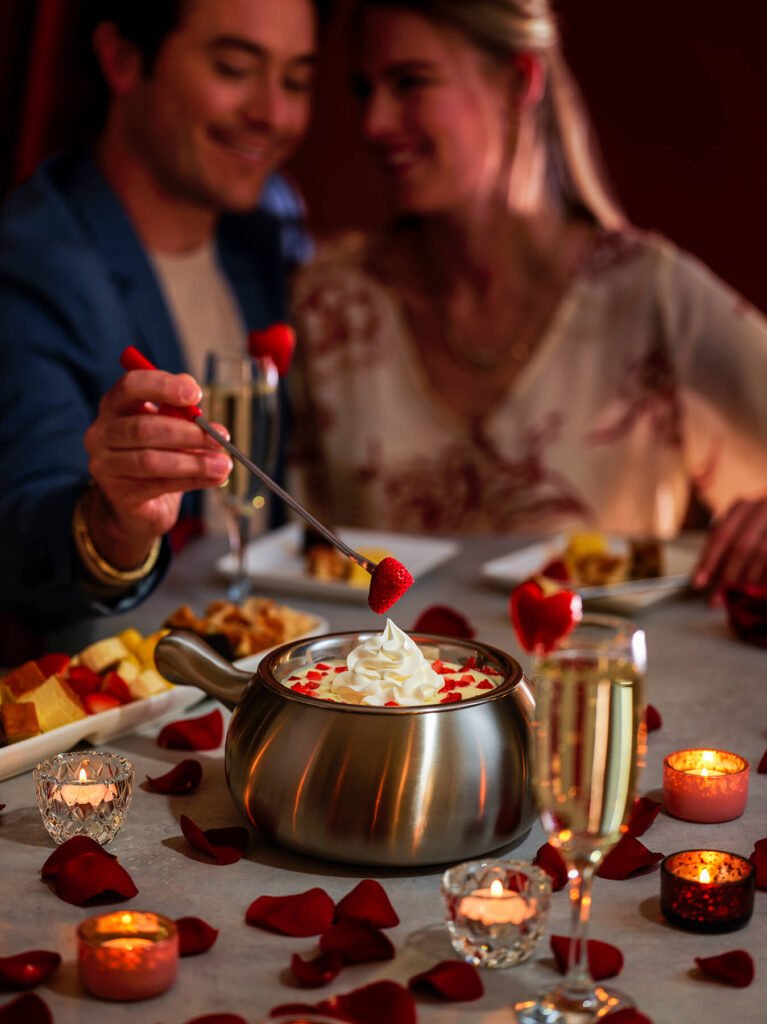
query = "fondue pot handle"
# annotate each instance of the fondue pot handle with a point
(186, 659)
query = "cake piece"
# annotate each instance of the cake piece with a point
(19, 722)
(56, 704)
(24, 679)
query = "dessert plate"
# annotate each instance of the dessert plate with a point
(252, 661)
(679, 557)
(95, 729)
(276, 560)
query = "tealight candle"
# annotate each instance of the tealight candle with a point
(85, 792)
(707, 890)
(705, 785)
(127, 955)
(495, 910)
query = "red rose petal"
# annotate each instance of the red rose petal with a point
(550, 859)
(317, 972)
(653, 720)
(626, 858)
(93, 875)
(26, 1009)
(218, 1018)
(204, 733)
(184, 778)
(452, 979)
(762, 769)
(605, 961)
(27, 970)
(629, 1015)
(542, 616)
(224, 845)
(356, 942)
(388, 583)
(74, 847)
(195, 936)
(734, 968)
(444, 621)
(276, 342)
(367, 902)
(383, 1002)
(643, 813)
(300, 915)
(759, 859)
(747, 612)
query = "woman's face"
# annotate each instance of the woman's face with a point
(438, 114)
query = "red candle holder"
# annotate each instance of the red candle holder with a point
(705, 785)
(127, 955)
(707, 890)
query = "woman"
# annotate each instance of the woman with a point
(511, 354)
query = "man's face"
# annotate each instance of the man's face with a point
(226, 101)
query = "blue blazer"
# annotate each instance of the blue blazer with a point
(76, 287)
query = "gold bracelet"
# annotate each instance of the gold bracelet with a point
(98, 567)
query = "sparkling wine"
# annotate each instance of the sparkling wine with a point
(589, 745)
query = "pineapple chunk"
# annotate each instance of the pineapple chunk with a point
(128, 669)
(131, 638)
(147, 683)
(145, 650)
(103, 654)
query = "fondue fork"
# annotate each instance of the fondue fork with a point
(389, 578)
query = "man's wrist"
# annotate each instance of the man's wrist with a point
(99, 567)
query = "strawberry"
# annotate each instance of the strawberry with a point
(542, 613)
(388, 583)
(115, 686)
(83, 680)
(277, 342)
(51, 664)
(96, 702)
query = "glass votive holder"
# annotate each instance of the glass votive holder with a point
(495, 910)
(127, 955)
(84, 793)
(705, 785)
(707, 890)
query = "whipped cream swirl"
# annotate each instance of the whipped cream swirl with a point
(388, 667)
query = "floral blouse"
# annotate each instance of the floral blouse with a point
(651, 377)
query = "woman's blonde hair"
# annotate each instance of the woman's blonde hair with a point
(562, 158)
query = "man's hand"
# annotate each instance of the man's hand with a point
(736, 550)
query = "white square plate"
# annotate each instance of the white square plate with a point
(680, 557)
(276, 561)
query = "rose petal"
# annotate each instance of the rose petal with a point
(747, 612)
(734, 968)
(759, 859)
(762, 769)
(452, 979)
(653, 720)
(629, 1015)
(605, 961)
(300, 915)
(383, 1002)
(444, 621)
(195, 936)
(550, 859)
(626, 858)
(224, 845)
(543, 613)
(317, 972)
(93, 875)
(204, 733)
(184, 778)
(27, 970)
(26, 1009)
(367, 902)
(218, 1018)
(356, 942)
(643, 813)
(74, 847)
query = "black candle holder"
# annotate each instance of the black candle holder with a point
(707, 890)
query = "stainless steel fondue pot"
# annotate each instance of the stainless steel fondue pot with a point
(396, 787)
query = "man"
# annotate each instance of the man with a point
(149, 240)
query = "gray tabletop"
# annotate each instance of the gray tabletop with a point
(708, 688)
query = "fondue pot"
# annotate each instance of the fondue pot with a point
(383, 786)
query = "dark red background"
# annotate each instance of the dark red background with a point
(677, 90)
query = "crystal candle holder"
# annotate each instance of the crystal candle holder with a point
(127, 955)
(84, 793)
(707, 890)
(495, 910)
(705, 785)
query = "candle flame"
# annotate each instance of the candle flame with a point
(704, 772)
(126, 918)
(705, 875)
(496, 888)
(82, 777)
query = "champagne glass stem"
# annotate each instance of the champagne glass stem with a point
(578, 978)
(239, 532)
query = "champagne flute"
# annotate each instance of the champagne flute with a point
(589, 743)
(242, 394)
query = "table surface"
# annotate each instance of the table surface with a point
(708, 688)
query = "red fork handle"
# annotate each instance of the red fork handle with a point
(132, 359)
